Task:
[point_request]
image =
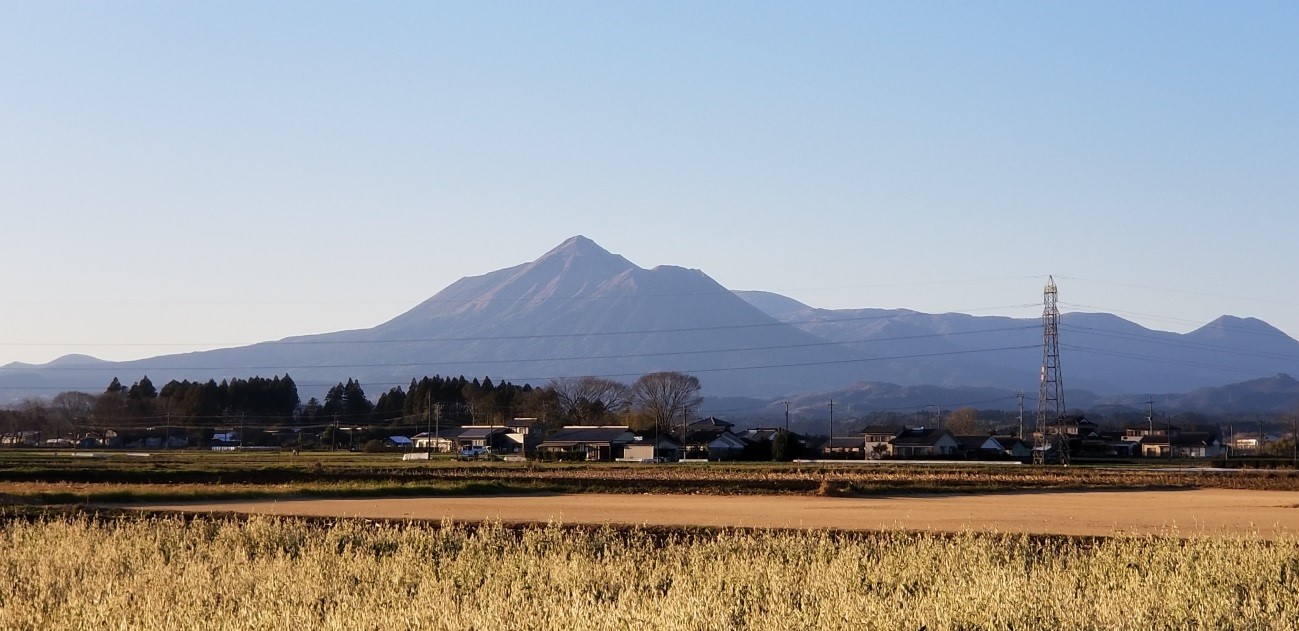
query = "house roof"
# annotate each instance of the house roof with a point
(718, 436)
(1188, 439)
(1008, 442)
(574, 435)
(977, 441)
(759, 434)
(400, 440)
(441, 435)
(1075, 420)
(479, 432)
(711, 421)
(664, 439)
(892, 430)
(921, 437)
(705, 435)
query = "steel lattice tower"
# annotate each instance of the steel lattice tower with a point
(1050, 394)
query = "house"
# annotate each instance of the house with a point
(436, 442)
(1249, 444)
(399, 442)
(529, 428)
(494, 438)
(878, 439)
(925, 443)
(844, 448)
(1197, 445)
(149, 438)
(1015, 447)
(1156, 446)
(588, 442)
(1135, 433)
(1169, 441)
(1074, 426)
(762, 441)
(980, 446)
(28, 438)
(646, 449)
(993, 447)
(712, 439)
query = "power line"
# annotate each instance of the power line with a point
(298, 340)
(477, 362)
(1183, 291)
(539, 379)
(1178, 343)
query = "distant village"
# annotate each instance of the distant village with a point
(709, 439)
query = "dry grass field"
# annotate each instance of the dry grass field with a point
(150, 573)
(503, 546)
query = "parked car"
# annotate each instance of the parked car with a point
(471, 453)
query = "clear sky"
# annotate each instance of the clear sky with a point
(188, 175)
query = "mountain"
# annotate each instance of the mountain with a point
(1278, 394)
(1099, 352)
(576, 310)
(581, 310)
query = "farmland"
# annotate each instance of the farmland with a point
(369, 541)
(48, 478)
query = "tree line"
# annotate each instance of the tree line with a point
(663, 400)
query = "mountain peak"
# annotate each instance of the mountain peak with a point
(577, 246)
(1226, 324)
(577, 255)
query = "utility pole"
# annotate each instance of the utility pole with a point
(1021, 414)
(1168, 430)
(428, 436)
(831, 443)
(437, 423)
(1150, 420)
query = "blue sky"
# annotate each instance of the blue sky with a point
(188, 175)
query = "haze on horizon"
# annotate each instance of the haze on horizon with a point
(177, 177)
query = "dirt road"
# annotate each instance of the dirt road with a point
(1189, 513)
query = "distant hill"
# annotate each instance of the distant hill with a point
(581, 310)
(1100, 352)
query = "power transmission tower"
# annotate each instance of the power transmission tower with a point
(1050, 394)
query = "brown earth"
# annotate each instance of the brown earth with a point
(1190, 513)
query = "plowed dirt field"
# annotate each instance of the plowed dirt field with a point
(1189, 513)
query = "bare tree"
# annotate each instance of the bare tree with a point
(963, 421)
(665, 397)
(590, 400)
(72, 410)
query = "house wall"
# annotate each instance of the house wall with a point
(638, 452)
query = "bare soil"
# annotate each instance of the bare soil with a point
(1188, 513)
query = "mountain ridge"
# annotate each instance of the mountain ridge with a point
(579, 309)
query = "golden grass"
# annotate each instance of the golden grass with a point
(271, 573)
